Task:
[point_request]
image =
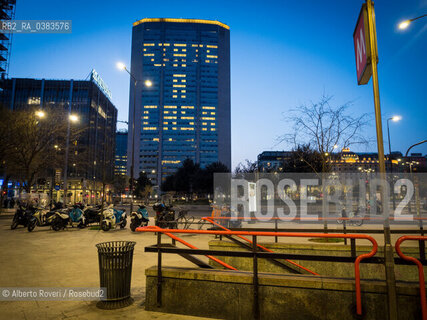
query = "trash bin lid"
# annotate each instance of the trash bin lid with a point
(115, 246)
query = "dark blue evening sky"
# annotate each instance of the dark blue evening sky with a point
(283, 53)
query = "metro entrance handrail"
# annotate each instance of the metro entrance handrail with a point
(289, 234)
(209, 219)
(225, 265)
(420, 269)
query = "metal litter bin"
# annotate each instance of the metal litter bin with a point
(115, 271)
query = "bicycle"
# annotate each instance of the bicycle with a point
(184, 221)
(351, 219)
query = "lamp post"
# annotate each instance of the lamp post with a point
(147, 83)
(420, 221)
(394, 119)
(71, 118)
(405, 24)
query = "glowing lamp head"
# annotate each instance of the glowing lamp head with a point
(40, 114)
(404, 24)
(396, 118)
(121, 65)
(74, 118)
(148, 83)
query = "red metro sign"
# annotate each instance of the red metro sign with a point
(362, 48)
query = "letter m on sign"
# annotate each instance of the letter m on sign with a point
(362, 47)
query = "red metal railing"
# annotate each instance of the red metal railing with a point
(420, 269)
(158, 229)
(315, 218)
(260, 246)
(288, 234)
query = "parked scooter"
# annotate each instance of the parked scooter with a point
(139, 218)
(77, 217)
(41, 218)
(22, 216)
(61, 219)
(112, 218)
(165, 216)
(92, 214)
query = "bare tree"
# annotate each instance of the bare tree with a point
(32, 153)
(325, 127)
(248, 167)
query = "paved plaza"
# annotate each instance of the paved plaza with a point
(45, 258)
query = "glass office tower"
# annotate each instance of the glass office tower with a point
(185, 113)
(121, 153)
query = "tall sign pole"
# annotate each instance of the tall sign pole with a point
(365, 46)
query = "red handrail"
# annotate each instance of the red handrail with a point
(420, 270)
(260, 246)
(158, 229)
(289, 234)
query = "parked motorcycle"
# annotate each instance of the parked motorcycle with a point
(165, 216)
(41, 218)
(112, 218)
(22, 216)
(139, 218)
(92, 215)
(77, 217)
(68, 217)
(61, 219)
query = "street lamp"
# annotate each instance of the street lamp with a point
(71, 118)
(147, 83)
(394, 119)
(40, 114)
(121, 65)
(405, 24)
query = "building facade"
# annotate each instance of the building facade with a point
(348, 161)
(91, 155)
(185, 113)
(273, 161)
(120, 166)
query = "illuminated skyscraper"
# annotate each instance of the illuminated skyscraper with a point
(185, 113)
(121, 153)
